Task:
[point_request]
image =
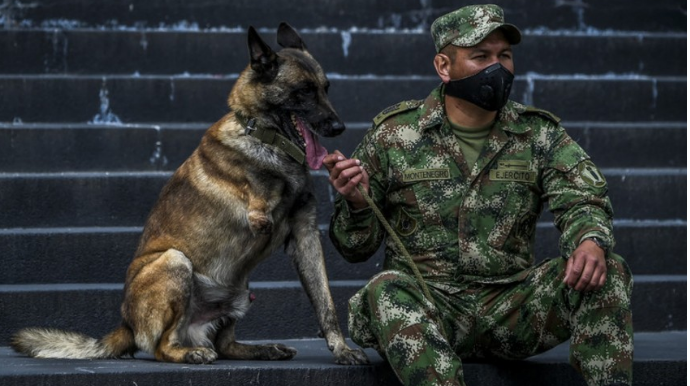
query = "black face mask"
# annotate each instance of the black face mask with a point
(488, 89)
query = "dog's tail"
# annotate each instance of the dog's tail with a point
(53, 343)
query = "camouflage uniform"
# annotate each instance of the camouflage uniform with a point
(470, 230)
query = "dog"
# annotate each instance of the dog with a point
(243, 193)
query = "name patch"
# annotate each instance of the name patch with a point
(411, 175)
(513, 175)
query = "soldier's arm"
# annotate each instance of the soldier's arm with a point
(354, 229)
(577, 194)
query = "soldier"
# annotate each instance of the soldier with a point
(462, 177)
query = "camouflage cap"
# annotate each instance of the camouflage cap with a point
(469, 25)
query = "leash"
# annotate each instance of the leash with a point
(401, 247)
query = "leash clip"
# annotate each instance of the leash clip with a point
(250, 126)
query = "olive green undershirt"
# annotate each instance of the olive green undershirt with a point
(471, 140)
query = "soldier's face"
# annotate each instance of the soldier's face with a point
(470, 60)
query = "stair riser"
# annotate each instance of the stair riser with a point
(637, 15)
(96, 148)
(103, 257)
(125, 200)
(278, 313)
(53, 51)
(93, 201)
(203, 99)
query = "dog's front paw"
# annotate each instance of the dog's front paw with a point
(200, 355)
(259, 223)
(348, 356)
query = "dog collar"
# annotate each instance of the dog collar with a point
(270, 136)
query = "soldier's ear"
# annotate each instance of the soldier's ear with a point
(442, 64)
(289, 38)
(263, 59)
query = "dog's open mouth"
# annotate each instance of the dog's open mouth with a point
(315, 153)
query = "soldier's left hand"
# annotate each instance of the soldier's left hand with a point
(586, 268)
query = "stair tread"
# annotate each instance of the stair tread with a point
(313, 358)
(258, 284)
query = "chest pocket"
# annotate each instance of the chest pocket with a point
(419, 215)
(515, 225)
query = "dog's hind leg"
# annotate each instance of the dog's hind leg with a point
(229, 348)
(158, 305)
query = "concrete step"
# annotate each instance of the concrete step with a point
(164, 146)
(637, 15)
(95, 199)
(172, 52)
(659, 360)
(281, 309)
(107, 199)
(102, 255)
(202, 98)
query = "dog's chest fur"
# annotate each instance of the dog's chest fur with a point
(203, 210)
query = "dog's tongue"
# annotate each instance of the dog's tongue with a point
(315, 152)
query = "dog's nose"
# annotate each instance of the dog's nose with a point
(337, 127)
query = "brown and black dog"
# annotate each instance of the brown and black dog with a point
(242, 194)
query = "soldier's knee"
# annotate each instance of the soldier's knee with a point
(387, 286)
(616, 266)
(619, 272)
(388, 280)
(618, 287)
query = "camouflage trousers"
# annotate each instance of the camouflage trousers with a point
(507, 321)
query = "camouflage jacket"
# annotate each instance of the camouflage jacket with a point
(471, 222)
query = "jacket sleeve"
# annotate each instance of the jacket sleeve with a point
(357, 234)
(577, 195)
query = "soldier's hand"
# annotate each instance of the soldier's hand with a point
(586, 268)
(345, 174)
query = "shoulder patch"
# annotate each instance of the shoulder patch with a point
(590, 174)
(396, 109)
(546, 114)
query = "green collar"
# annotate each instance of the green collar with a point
(270, 136)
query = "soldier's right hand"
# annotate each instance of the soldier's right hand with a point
(345, 174)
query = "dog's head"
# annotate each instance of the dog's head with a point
(287, 90)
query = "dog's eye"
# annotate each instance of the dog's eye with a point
(307, 91)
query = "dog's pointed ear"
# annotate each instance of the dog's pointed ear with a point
(262, 58)
(289, 38)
